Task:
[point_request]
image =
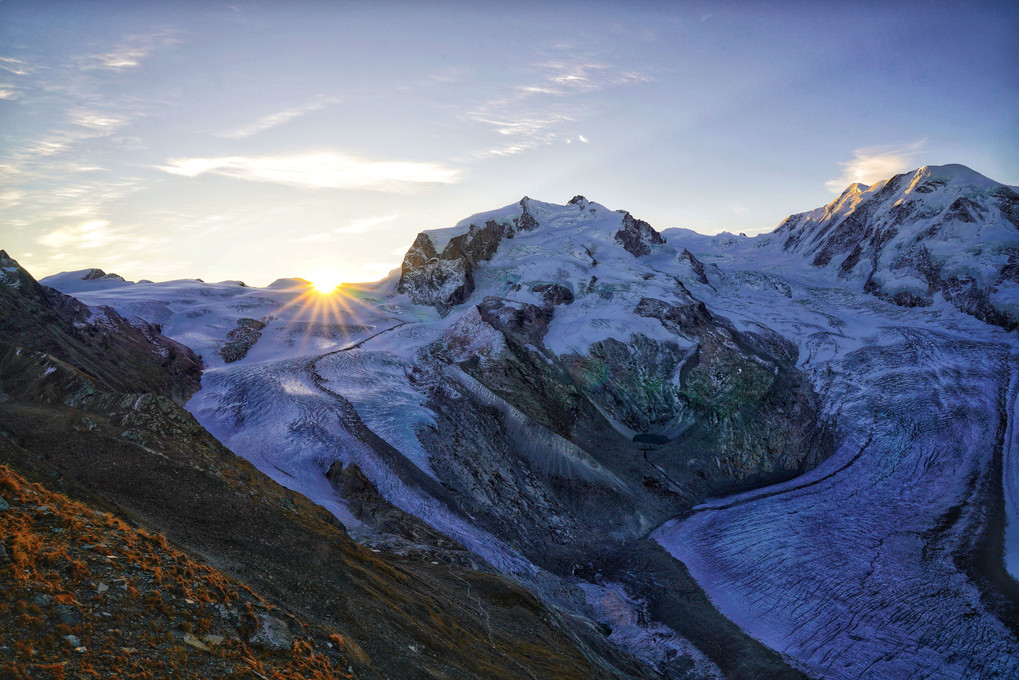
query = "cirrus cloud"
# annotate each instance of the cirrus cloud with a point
(279, 118)
(319, 170)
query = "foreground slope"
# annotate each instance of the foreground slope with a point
(143, 457)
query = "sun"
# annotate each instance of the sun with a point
(325, 282)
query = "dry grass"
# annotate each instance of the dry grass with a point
(135, 604)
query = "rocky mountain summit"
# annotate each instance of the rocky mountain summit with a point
(939, 230)
(785, 456)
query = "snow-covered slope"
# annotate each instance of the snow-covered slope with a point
(939, 230)
(87, 280)
(564, 392)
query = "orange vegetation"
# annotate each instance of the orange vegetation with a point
(87, 595)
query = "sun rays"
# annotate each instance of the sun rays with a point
(323, 313)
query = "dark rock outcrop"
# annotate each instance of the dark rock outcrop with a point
(94, 274)
(637, 236)
(696, 266)
(446, 279)
(241, 339)
(521, 322)
(554, 293)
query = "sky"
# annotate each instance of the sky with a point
(260, 140)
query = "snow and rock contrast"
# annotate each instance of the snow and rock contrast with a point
(941, 230)
(786, 456)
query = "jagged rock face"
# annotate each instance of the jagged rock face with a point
(941, 230)
(696, 266)
(446, 279)
(637, 236)
(521, 322)
(94, 274)
(553, 293)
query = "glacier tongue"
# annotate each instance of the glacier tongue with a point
(878, 563)
(1010, 476)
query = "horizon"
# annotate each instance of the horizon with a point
(163, 144)
(327, 281)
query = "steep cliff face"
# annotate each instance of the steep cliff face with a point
(637, 236)
(444, 278)
(939, 230)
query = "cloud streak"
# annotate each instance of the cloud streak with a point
(320, 170)
(102, 123)
(535, 114)
(276, 119)
(127, 56)
(875, 163)
(13, 66)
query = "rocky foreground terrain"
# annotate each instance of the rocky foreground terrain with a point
(560, 443)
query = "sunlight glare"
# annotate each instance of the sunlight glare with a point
(326, 282)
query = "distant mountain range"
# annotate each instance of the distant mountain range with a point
(572, 445)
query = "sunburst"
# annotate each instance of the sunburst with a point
(323, 301)
(325, 282)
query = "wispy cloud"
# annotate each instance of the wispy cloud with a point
(583, 76)
(119, 59)
(89, 234)
(11, 198)
(87, 125)
(276, 119)
(129, 55)
(525, 125)
(872, 164)
(536, 113)
(508, 150)
(100, 122)
(322, 170)
(14, 66)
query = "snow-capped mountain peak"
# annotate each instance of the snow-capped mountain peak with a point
(936, 230)
(439, 269)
